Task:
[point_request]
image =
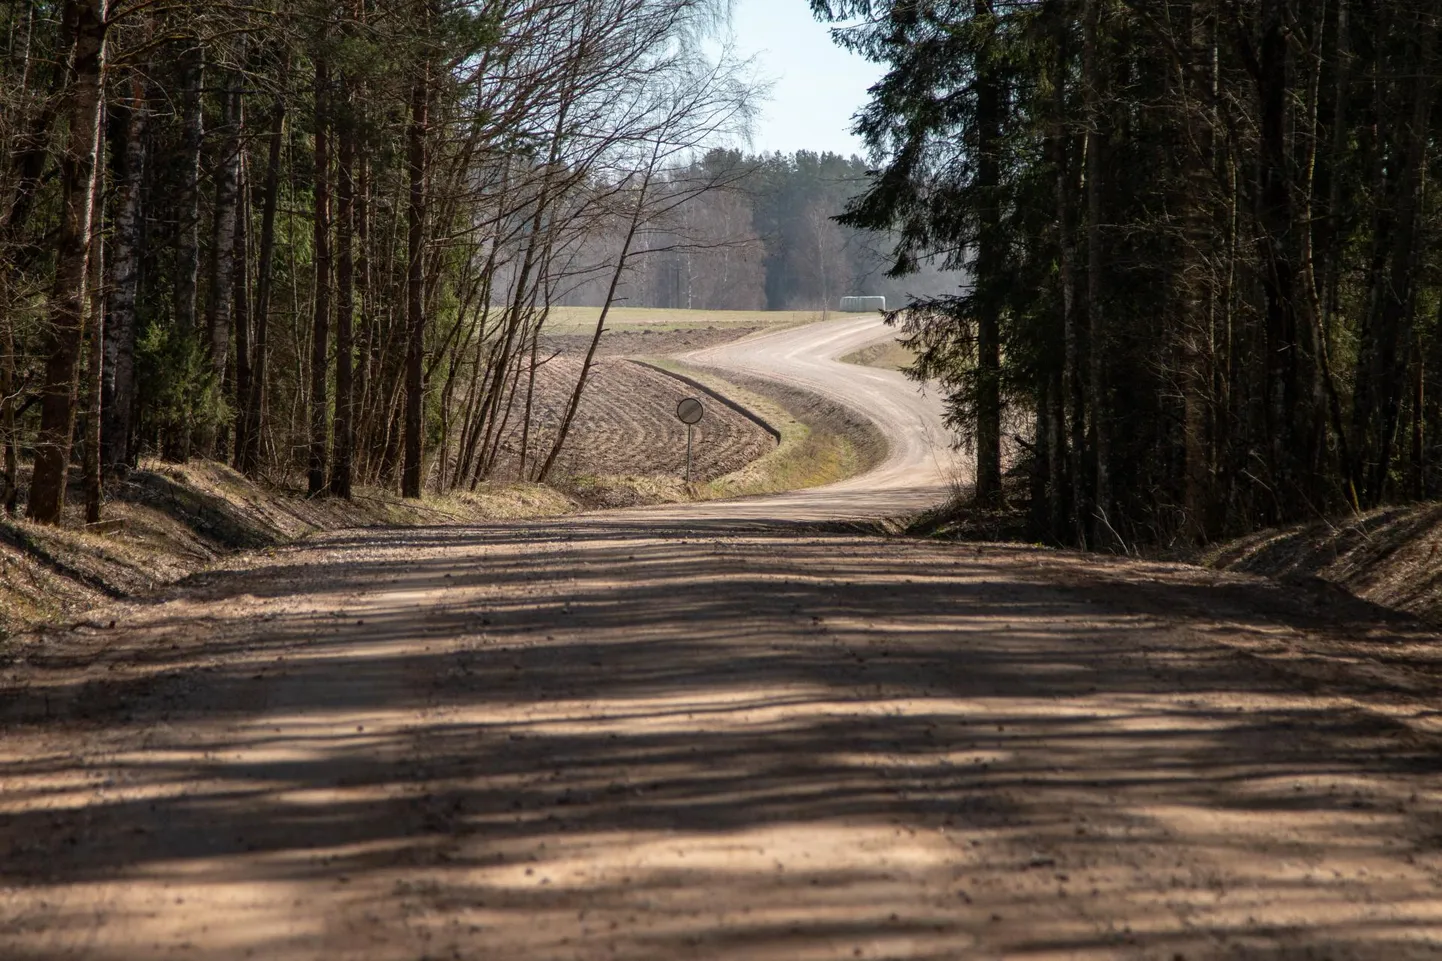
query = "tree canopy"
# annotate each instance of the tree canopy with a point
(1205, 285)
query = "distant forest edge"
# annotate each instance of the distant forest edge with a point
(768, 241)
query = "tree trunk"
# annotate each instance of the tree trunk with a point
(366, 341)
(187, 258)
(1100, 343)
(240, 292)
(340, 478)
(94, 359)
(218, 313)
(7, 421)
(320, 326)
(411, 476)
(1285, 419)
(1194, 321)
(61, 339)
(1072, 396)
(118, 390)
(249, 425)
(990, 257)
(1394, 337)
(1419, 406)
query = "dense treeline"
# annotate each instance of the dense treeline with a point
(323, 237)
(1203, 238)
(769, 241)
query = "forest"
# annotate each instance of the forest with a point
(1206, 284)
(770, 241)
(321, 239)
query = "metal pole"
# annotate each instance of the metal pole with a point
(690, 431)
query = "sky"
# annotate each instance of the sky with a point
(816, 86)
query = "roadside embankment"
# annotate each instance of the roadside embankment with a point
(165, 522)
(1391, 557)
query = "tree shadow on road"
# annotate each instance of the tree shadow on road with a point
(889, 748)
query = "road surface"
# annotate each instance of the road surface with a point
(651, 736)
(920, 465)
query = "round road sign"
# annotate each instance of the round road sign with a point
(689, 411)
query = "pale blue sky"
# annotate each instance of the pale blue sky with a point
(816, 86)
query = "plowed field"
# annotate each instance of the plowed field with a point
(627, 425)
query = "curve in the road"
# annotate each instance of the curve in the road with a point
(920, 464)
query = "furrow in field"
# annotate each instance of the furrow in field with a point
(626, 425)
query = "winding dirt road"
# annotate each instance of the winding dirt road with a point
(920, 463)
(676, 735)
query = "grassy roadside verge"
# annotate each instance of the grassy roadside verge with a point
(165, 522)
(887, 355)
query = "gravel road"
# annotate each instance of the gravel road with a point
(921, 462)
(729, 734)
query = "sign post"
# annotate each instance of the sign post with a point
(689, 412)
